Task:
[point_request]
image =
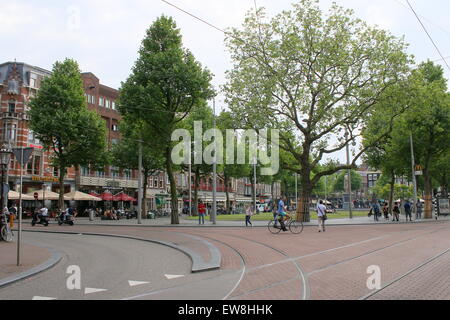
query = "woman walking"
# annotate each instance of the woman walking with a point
(248, 215)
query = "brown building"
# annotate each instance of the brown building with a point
(19, 83)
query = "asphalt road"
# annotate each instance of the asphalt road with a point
(109, 263)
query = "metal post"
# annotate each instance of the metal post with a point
(413, 175)
(19, 236)
(349, 182)
(190, 185)
(296, 191)
(214, 205)
(254, 185)
(140, 193)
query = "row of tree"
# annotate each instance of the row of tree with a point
(321, 79)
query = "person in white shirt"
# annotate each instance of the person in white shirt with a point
(321, 213)
(44, 211)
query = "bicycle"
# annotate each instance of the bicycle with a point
(294, 226)
(5, 231)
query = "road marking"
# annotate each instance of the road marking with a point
(93, 290)
(173, 276)
(136, 283)
(43, 298)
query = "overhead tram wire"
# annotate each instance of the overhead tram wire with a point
(429, 36)
(425, 18)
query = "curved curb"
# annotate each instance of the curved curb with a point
(198, 264)
(54, 259)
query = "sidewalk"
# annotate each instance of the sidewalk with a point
(34, 259)
(165, 222)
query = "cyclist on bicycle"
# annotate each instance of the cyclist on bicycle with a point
(281, 214)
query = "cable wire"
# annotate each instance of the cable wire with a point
(428, 34)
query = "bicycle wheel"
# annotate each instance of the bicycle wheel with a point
(6, 234)
(296, 227)
(274, 229)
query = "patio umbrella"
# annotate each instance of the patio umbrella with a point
(121, 196)
(106, 196)
(13, 195)
(49, 195)
(80, 196)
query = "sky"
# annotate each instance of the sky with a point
(105, 35)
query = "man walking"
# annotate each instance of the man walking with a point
(248, 215)
(407, 207)
(321, 216)
(376, 210)
(201, 212)
(419, 210)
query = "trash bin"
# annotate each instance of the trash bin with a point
(151, 215)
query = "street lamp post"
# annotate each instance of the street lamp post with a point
(349, 180)
(214, 204)
(5, 157)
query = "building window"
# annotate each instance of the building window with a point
(161, 183)
(101, 102)
(115, 128)
(33, 80)
(10, 131)
(55, 172)
(114, 141)
(84, 171)
(127, 173)
(34, 166)
(11, 106)
(107, 103)
(113, 105)
(32, 138)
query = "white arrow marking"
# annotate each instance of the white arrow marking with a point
(171, 276)
(43, 298)
(93, 290)
(136, 283)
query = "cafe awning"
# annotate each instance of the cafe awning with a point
(13, 195)
(81, 196)
(48, 195)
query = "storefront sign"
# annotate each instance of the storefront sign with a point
(44, 179)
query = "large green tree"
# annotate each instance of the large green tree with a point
(61, 120)
(313, 76)
(341, 185)
(126, 153)
(165, 83)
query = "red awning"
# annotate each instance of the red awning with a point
(123, 197)
(106, 196)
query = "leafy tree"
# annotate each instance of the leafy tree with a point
(313, 77)
(340, 184)
(204, 114)
(227, 172)
(61, 120)
(126, 154)
(165, 83)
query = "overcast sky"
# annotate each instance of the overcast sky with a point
(105, 35)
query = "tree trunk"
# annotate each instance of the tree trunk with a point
(62, 170)
(173, 188)
(444, 186)
(144, 195)
(428, 213)
(196, 184)
(391, 192)
(303, 214)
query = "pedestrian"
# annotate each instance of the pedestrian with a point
(396, 212)
(376, 210)
(321, 216)
(419, 210)
(201, 212)
(248, 215)
(12, 215)
(407, 207)
(386, 211)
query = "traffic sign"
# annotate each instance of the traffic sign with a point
(36, 195)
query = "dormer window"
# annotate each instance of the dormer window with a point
(13, 87)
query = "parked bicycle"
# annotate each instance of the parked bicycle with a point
(292, 225)
(5, 231)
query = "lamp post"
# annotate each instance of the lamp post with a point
(5, 157)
